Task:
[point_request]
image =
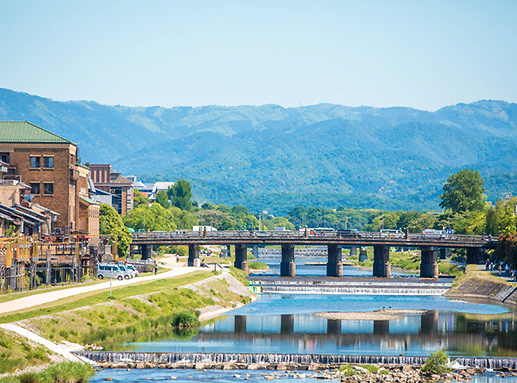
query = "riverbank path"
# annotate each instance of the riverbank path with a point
(175, 269)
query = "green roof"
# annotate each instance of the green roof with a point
(89, 200)
(25, 132)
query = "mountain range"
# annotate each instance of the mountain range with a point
(273, 158)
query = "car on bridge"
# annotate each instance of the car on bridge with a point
(392, 233)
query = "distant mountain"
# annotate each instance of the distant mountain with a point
(274, 158)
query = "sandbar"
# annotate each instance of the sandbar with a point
(388, 314)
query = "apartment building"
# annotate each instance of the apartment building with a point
(49, 164)
(114, 183)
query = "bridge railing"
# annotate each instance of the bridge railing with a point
(286, 234)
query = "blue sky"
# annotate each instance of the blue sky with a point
(423, 54)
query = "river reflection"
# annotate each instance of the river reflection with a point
(287, 324)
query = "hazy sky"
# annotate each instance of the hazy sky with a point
(424, 54)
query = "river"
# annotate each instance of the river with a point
(287, 324)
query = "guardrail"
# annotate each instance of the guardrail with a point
(331, 235)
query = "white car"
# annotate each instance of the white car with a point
(111, 270)
(133, 270)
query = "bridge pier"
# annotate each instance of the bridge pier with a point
(381, 327)
(255, 251)
(475, 255)
(429, 262)
(241, 257)
(429, 322)
(363, 254)
(146, 251)
(193, 254)
(287, 324)
(353, 250)
(287, 266)
(239, 326)
(334, 264)
(333, 326)
(381, 261)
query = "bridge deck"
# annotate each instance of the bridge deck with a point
(358, 239)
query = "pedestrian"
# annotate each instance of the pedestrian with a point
(491, 266)
(155, 268)
(487, 265)
(500, 268)
(177, 258)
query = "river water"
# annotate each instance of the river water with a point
(288, 324)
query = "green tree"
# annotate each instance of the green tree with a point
(180, 195)
(470, 222)
(111, 223)
(283, 222)
(139, 199)
(163, 199)
(156, 218)
(463, 192)
(422, 222)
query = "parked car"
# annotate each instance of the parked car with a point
(132, 269)
(128, 274)
(111, 270)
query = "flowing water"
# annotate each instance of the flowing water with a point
(286, 324)
(317, 267)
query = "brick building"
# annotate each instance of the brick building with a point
(49, 164)
(120, 187)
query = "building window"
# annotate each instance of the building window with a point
(4, 157)
(35, 162)
(48, 162)
(35, 188)
(48, 189)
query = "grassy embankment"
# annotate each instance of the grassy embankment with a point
(409, 261)
(66, 372)
(144, 312)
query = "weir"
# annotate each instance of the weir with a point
(367, 286)
(300, 359)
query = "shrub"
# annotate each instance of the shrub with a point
(67, 372)
(436, 363)
(371, 368)
(185, 319)
(383, 372)
(29, 377)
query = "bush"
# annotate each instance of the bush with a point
(436, 363)
(185, 319)
(29, 377)
(67, 372)
(258, 266)
(371, 368)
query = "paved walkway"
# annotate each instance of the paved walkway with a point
(503, 275)
(52, 296)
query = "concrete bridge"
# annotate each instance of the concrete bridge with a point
(335, 241)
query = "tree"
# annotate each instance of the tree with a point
(463, 192)
(110, 223)
(163, 199)
(180, 194)
(140, 199)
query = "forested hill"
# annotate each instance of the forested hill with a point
(273, 158)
